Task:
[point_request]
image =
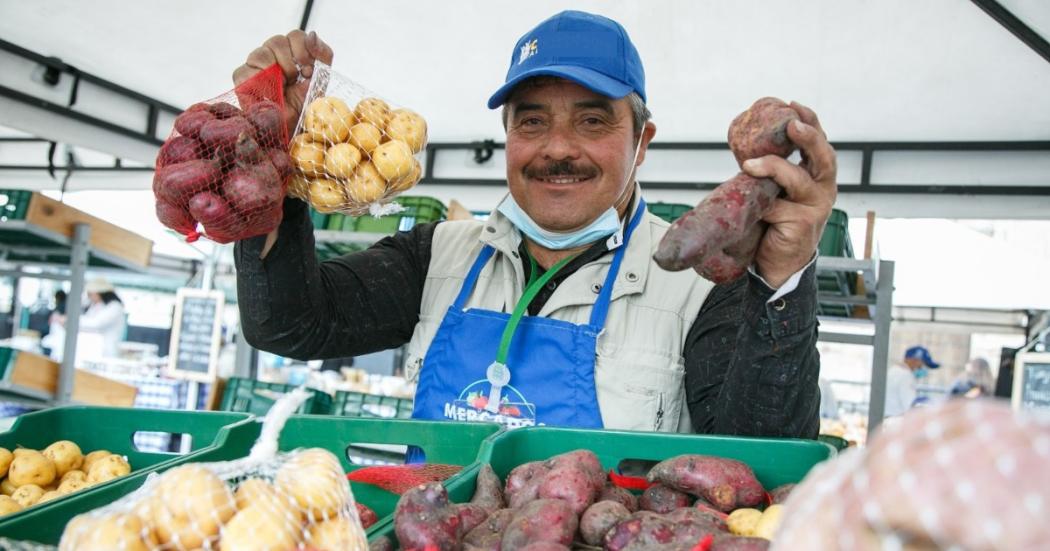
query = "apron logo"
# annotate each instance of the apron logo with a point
(514, 410)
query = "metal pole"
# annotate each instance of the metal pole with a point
(77, 265)
(880, 354)
(242, 363)
(16, 308)
(210, 261)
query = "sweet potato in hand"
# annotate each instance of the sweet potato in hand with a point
(762, 130)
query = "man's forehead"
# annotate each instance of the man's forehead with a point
(549, 90)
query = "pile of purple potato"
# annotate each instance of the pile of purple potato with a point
(567, 502)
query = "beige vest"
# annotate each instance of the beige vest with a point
(639, 368)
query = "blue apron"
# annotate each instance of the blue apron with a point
(544, 375)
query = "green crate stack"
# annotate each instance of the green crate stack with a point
(835, 242)
(669, 211)
(775, 461)
(14, 203)
(251, 396)
(418, 210)
(359, 404)
(112, 429)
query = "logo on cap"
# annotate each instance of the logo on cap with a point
(528, 50)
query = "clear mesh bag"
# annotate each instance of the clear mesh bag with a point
(966, 475)
(352, 151)
(222, 172)
(266, 501)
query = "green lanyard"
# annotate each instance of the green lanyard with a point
(532, 288)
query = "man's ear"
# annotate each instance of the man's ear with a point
(648, 133)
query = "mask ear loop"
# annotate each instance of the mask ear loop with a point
(634, 165)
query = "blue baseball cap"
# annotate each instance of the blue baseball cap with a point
(590, 50)
(920, 353)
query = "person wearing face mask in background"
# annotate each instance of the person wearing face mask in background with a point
(553, 311)
(901, 380)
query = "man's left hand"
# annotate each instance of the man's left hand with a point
(796, 221)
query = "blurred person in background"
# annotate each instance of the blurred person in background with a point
(901, 379)
(976, 381)
(104, 317)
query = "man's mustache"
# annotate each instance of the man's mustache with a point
(561, 168)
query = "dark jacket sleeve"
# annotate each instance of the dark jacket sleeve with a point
(294, 306)
(751, 368)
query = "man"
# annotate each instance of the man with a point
(900, 380)
(553, 312)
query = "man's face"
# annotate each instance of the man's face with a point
(569, 153)
(913, 363)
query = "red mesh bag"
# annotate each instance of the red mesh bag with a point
(398, 479)
(223, 170)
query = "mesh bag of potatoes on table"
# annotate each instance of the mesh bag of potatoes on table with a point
(352, 151)
(268, 501)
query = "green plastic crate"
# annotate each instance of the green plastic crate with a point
(835, 240)
(250, 396)
(97, 428)
(669, 211)
(360, 404)
(837, 442)
(335, 222)
(319, 219)
(14, 203)
(775, 461)
(418, 210)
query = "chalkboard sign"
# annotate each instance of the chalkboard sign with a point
(1032, 381)
(196, 334)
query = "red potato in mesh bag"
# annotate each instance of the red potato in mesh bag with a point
(547, 520)
(424, 520)
(179, 149)
(221, 135)
(727, 484)
(268, 120)
(175, 217)
(189, 123)
(177, 183)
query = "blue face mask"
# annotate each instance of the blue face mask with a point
(922, 373)
(604, 226)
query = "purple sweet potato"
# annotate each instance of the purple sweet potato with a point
(177, 183)
(599, 518)
(381, 543)
(523, 483)
(721, 220)
(727, 483)
(545, 546)
(366, 515)
(189, 123)
(222, 134)
(762, 130)
(662, 499)
(175, 217)
(571, 484)
(268, 121)
(178, 149)
(620, 495)
(470, 516)
(423, 519)
(488, 492)
(708, 517)
(650, 531)
(781, 493)
(488, 535)
(550, 520)
(733, 261)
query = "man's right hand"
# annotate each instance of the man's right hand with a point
(295, 52)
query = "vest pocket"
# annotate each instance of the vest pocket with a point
(639, 395)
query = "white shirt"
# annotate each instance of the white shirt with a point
(107, 320)
(900, 390)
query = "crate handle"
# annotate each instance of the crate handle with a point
(185, 442)
(366, 454)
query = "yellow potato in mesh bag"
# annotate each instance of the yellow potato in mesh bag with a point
(259, 528)
(258, 492)
(8, 505)
(191, 503)
(407, 126)
(367, 185)
(374, 111)
(65, 455)
(393, 160)
(327, 195)
(328, 120)
(118, 531)
(341, 159)
(106, 469)
(299, 187)
(317, 484)
(31, 467)
(410, 180)
(308, 155)
(337, 534)
(366, 137)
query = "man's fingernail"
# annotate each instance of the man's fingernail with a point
(799, 127)
(752, 164)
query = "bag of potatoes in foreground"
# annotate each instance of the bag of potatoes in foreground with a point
(353, 151)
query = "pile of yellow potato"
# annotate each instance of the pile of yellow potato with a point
(33, 476)
(348, 158)
(308, 502)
